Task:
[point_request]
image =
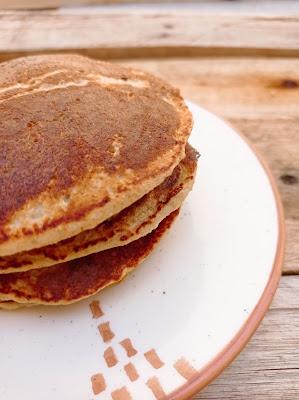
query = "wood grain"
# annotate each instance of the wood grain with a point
(268, 369)
(144, 33)
(255, 97)
(38, 4)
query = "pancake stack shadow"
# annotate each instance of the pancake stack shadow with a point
(94, 166)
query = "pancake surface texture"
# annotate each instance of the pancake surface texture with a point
(80, 140)
(130, 224)
(74, 280)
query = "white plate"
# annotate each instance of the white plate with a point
(192, 304)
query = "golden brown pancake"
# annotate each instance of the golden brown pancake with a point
(80, 140)
(130, 224)
(74, 280)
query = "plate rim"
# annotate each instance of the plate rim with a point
(225, 357)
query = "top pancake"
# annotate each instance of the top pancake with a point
(80, 140)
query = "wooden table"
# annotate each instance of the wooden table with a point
(245, 69)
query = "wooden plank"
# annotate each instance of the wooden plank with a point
(260, 97)
(122, 34)
(287, 296)
(237, 88)
(268, 369)
(237, 6)
(38, 4)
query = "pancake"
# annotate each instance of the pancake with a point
(74, 280)
(80, 140)
(130, 224)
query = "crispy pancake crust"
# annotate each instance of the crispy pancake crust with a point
(74, 280)
(80, 140)
(130, 224)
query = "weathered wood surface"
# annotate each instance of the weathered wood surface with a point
(268, 368)
(122, 34)
(42, 4)
(260, 97)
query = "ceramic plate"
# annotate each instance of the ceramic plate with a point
(183, 315)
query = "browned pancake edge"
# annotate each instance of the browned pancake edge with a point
(74, 280)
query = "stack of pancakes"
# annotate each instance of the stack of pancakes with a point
(94, 165)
